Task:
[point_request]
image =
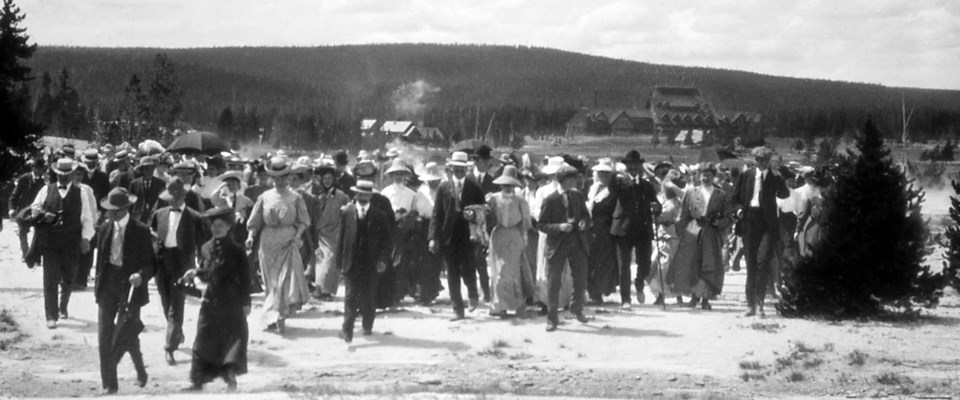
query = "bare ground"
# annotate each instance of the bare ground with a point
(643, 353)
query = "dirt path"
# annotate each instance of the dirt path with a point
(646, 352)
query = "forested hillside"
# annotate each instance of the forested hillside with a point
(321, 92)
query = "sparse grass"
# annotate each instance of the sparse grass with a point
(520, 356)
(893, 379)
(857, 358)
(750, 376)
(796, 376)
(9, 329)
(816, 362)
(802, 348)
(766, 327)
(500, 344)
(491, 352)
(750, 365)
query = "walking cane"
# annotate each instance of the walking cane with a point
(663, 285)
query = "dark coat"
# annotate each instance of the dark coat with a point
(448, 226)
(553, 213)
(146, 198)
(487, 183)
(773, 187)
(632, 217)
(191, 232)
(99, 182)
(25, 191)
(360, 250)
(138, 257)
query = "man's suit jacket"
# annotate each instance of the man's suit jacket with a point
(25, 191)
(190, 234)
(448, 226)
(486, 183)
(146, 197)
(138, 257)
(360, 250)
(553, 213)
(773, 187)
(632, 216)
(99, 182)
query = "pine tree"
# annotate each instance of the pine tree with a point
(133, 111)
(43, 113)
(68, 112)
(165, 98)
(225, 123)
(18, 139)
(951, 267)
(870, 257)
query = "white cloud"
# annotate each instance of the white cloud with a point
(893, 42)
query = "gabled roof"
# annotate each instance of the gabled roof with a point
(396, 127)
(367, 124)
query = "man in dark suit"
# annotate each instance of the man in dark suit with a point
(632, 225)
(147, 188)
(62, 236)
(178, 230)
(119, 171)
(125, 259)
(24, 192)
(449, 231)
(97, 180)
(364, 253)
(564, 218)
(756, 193)
(483, 163)
(345, 179)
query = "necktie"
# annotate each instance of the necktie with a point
(116, 246)
(62, 187)
(566, 204)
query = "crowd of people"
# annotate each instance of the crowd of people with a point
(518, 233)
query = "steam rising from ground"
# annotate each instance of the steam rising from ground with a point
(410, 98)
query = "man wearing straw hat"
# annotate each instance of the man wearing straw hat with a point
(449, 232)
(147, 188)
(63, 234)
(178, 230)
(125, 262)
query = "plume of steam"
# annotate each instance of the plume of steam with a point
(410, 98)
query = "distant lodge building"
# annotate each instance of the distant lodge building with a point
(406, 130)
(671, 114)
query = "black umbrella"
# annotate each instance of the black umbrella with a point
(198, 142)
(469, 146)
(127, 329)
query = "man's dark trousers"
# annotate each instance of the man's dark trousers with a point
(109, 304)
(460, 261)
(171, 299)
(642, 250)
(360, 299)
(760, 245)
(577, 258)
(59, 268)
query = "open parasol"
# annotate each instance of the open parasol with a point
(198, 142)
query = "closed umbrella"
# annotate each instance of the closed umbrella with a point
(126, 330)
(198, 142)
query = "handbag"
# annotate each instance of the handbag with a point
(189, 287)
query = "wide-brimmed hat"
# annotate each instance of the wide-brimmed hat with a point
(458, 159)
(663, 163)
(508, 177)
(147, 161)
(553, 165)
(64, 166)
(363, 186)
(326, 165)
(91, 155)
(184, 166)
(117, 199)
(604, 165)
(221, 213)
(432, 172)
(175, 190)
(238, 175)
(123, 155)
(398, 166)
(365, 168)
(279, 166)
(632, 156)
(761, 152)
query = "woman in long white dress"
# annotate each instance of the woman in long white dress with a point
(511, 280)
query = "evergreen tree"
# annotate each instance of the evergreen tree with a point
(18, 137)
(133, 111)
(225, 123)
(951, 266)
(873, 245)
(165, 97)
(43, 113)
(68, 112)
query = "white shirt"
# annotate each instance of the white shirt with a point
(87, 192)
(116, 243)
(757, 184)
(428, 195)
(707, 192)
(540, 196)
(480, 175)
(86, 215)
(362, 210)
(596, 195)
(173, 223)
(791, 204)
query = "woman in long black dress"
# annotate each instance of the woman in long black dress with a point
(602, 267)
(220, 349)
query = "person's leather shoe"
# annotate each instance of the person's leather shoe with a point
(169, 357)
(142, 378)
(367, 332)
(474, 303)
(582, 318)
(551, 326)
(751, 312)
(660, 301)
(346, 335)
(458, 315)
(625, 306)
(64, 315)
(51, 324)
(641, 298)
(705, 305)
(109, 391)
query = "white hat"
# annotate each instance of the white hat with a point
(458, 159)
(432, 172)
(553, 164)
(604, 165)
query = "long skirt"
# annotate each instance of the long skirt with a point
(327, 276)
(221, 343)
(511, 280)
(543, 281)
(286, 285)
(602, 268)
(662, 263)
(698, 269)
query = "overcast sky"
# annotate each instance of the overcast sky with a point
(895, 43)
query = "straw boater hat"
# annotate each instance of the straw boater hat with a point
(604, 165)
(398, 166)
(117, 199)
(175, 190)
(147, 161)
(363, 186)
(302, 165)
(91, 155)
(458, 159)
(64, 166)
(762, 152)
(392, 153)
(432, 173)
(122, 155)
(279, 166)
(553, 164)
(238, 175)
(508, 177)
